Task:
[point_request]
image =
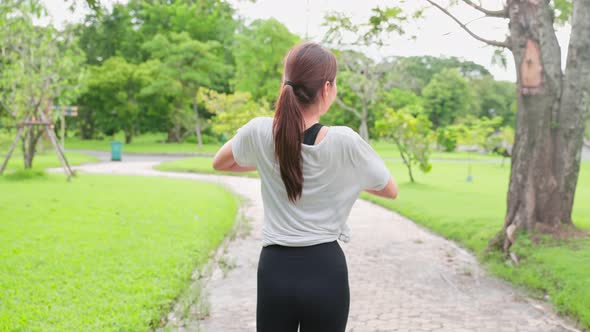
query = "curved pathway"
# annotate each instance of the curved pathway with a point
(402, 277)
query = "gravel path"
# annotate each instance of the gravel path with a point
(402, 277)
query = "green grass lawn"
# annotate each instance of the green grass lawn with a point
(153, 143)
(103, 253)
(471, 213)
(197, 165)
(146, 143)
(46, 160)
(390, 150)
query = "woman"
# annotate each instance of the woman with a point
(311, 175)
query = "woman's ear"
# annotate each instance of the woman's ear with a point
(326, 89)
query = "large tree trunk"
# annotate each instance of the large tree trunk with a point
(29, 145)
(128, 136)
(574, 105)
(364, 128)
(197, 123)
(549, 130)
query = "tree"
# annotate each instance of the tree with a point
(186, 65)
(551, 107)
(263, 45)
(232, 110)
(415, 72)
(203, 20)
(502, 142)
(360, 79)
(446, 97)
(111, 34)
(40, 68)
(493, 98)
(476, 133)
(115, 88)
(360, 75)
(412, 134)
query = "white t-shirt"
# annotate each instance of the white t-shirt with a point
(335, 172)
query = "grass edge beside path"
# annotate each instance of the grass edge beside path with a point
(132, 263)
(553, 269)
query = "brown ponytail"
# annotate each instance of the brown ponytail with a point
(307, 68)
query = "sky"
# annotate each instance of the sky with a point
(436, 34)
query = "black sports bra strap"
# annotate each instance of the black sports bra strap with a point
(311, 133)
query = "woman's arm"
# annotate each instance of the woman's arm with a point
(224, 160)
(390, 190)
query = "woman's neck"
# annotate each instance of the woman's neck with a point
(311, 116)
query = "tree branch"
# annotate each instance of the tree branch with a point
(348, 108)
(5, 107)
(462, 25)
(491, 13)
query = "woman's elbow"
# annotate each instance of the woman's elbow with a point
(218, 164)
(392, 190)
(394, 193)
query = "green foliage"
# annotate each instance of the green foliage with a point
(203, 20)
(259, 53)
(114, 94)
(185, 65)
(493, 98)
(482, 132)
(446, 97)
(473, 131)
(40, 67)
(415, 72)
(231, 111)
(134, 31)
(447, 138)
(501, 143)
(360, 80)
(382, 23)
(412, 134)
(111, 34)
(398, 98)
(103, 253)
(563, 10)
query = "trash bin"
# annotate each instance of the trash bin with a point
(116, 148)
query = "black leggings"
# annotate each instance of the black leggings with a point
(302, 285)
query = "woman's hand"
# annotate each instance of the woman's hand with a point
(224, 160)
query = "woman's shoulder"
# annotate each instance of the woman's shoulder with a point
(260, 121)
(257, 125)
(346, 134)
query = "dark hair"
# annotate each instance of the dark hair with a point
(307, 68)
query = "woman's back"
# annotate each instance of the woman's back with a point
(335, 171)
(308, 192)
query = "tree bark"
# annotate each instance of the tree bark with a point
(128, 136)
(30, 141)
(364, 129)
(549, 126)
(409, 165)
(197, 123)
(574, 104)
